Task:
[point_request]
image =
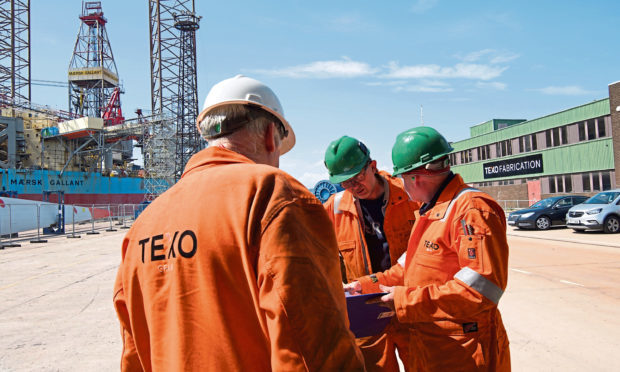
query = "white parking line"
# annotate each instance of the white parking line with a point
(573, 283)
(521, 271)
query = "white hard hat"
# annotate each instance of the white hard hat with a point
(244, 90)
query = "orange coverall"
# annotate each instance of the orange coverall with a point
(455, 271)
(233, 269)
(399, 212)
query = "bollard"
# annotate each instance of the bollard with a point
(110, 220)
(11, 244)
(72, 236)
(92, 221)
(38, 240)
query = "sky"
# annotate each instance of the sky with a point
(362, 68)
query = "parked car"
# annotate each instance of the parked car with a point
(600, 212)
(545, 213)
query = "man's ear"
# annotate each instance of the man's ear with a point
(270, 139)
(373, 166)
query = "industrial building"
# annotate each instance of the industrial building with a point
(573, 151)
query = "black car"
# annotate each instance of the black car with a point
(545, 213)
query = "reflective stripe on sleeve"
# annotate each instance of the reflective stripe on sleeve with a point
(402, 259)
(479, 283)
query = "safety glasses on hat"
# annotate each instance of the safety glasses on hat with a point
(230, 124)
(431, 169)
(357, 179)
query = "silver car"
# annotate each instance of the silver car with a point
(600, 212)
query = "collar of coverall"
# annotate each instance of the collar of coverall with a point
(428, 206)
(214, 156)
(349, 202)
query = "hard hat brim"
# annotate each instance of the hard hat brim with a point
(342, 177)
(287, 143)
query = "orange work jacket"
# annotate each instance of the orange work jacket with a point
(448, 288)
(399, 215)
(234, 268)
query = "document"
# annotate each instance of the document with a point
(367, 319)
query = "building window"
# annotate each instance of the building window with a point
(585, 179)
(525, 145)
(564, 134)
(528, 146)
(560, 182)
(552, 185)
(582, 131)
(548, 137)
(568, 184)
(556, 136)
(596, 183)
(606, 181)
(601, 127)
(591, 130)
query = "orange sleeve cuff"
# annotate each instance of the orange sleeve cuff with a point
(400, 304)
(370, 284)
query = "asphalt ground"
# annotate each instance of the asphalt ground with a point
(561, 308)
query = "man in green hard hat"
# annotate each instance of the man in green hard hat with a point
(372, 217)
(456, 265)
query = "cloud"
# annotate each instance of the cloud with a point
(345, 68)
(391, 83)
(504, 58)
(475, 56)
(569, 90)
(460, 70)
(421, 6)
(493, 56)
(426, 86)
(423, 89)
(493, 84)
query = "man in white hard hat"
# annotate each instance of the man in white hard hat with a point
(235, 267)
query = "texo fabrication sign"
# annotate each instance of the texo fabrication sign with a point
(514, 167)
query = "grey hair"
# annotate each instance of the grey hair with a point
(245, 138)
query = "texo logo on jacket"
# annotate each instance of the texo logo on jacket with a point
(186, 245)
(430, 246)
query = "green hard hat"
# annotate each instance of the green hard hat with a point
(344, 158)
(417, 147)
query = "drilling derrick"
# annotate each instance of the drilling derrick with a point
(173, 26)
(188, 138)
(15, 50)
(93, 76)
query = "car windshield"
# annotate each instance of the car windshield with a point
(545, 203)
(603, 198)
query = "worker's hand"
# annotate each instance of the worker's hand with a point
(388, 299)
(353, 288)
